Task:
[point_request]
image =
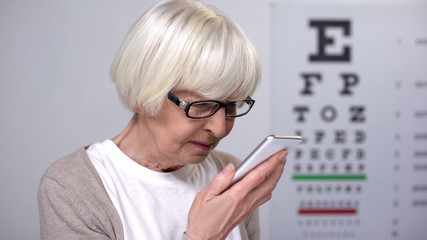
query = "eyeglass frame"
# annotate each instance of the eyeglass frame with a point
(186, 106)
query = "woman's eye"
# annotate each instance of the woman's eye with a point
(202, 105)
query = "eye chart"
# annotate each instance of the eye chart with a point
(352, 80)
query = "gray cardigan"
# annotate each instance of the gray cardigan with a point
(73, 203)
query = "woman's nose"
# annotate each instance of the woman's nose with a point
(217, 124)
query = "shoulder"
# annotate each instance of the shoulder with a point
(75, 175)
(223, 158)
(73, 168)
(71, 193)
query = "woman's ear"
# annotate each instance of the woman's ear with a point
(139, 112)
(137, 109)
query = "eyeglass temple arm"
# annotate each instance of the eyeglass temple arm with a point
(174, 99)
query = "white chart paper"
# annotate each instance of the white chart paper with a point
(352, 80)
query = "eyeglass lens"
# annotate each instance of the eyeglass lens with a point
(203, 109)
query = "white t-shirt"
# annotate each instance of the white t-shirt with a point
(151, 205)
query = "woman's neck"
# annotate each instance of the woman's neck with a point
(134, 141)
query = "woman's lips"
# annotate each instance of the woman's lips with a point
(202, 145)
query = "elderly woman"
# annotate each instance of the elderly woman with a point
(186, 71)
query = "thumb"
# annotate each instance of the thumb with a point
(221, 181)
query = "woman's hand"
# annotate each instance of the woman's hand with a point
(216, 210)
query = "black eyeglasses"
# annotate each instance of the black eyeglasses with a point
(207, 108)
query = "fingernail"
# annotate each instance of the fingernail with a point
(283, 155)
(228, 170)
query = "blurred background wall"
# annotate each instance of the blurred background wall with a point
(56, 94)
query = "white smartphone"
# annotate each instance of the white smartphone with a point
(269, 146)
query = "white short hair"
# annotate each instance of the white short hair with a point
(184, 45)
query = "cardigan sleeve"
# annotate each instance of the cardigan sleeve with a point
(63, 215)
(252, 226)
(73, 203)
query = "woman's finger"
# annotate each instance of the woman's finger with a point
(259, 174)
(221, 181)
